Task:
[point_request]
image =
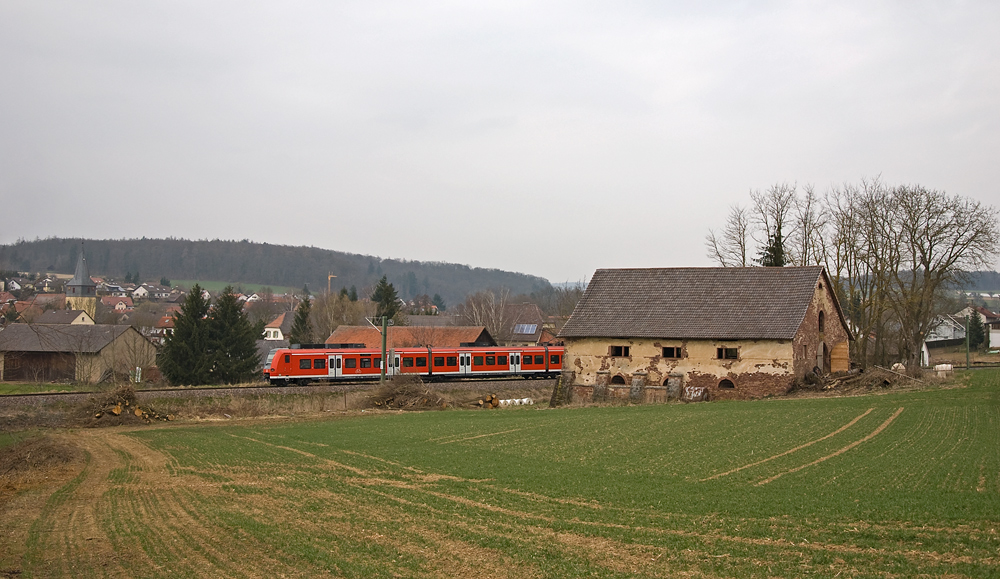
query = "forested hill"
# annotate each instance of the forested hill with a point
(259, 263)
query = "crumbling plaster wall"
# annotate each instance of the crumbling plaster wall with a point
(763, 366)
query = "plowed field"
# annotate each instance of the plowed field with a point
(897, 485)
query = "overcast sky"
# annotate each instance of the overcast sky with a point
(548, 138)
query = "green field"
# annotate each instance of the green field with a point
(894, 485)
(215, 287)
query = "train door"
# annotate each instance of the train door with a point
(464, 363)
(515, 362)
(334, 366)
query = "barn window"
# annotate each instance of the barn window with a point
(618, 380)
(619, 351)
(305, 363)
(727, 353)
(727, 384)
(822, 320)
(672, 352)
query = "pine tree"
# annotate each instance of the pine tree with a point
(302, 329)
(774, 254)
(438, 301)
(353, 295)
(234, 340)
(185, 357)
(386, 299)
(977, 330)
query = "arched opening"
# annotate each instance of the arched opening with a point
(726, 383)
(822, 321)
(618, 380)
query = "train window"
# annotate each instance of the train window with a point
(366, 362)
(438, 361)
(451, 361)
(305, 363)
(287, 358)
(378, 362)
(554, 360)
(422, 362)
(517, 359)
(319, 363)
(338, 362)
(539, 359)
(477, 360)
(408, 362)
(501, 360)
(350, 363)
(491, 360)
(461, 361)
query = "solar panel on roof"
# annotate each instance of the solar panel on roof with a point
(525, 328)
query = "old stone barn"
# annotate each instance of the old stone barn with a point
(702, 333)
(81, 353)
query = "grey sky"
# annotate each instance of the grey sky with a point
(548, 138)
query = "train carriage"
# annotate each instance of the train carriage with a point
(302, 366)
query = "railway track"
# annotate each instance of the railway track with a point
(256, 389)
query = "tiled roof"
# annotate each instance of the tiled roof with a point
(725, 303)
(59, 337)
(60, 316)
(409, 336)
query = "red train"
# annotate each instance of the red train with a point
(284, 366)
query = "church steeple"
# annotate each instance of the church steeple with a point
(81, 291)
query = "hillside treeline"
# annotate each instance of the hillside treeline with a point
(260, 263)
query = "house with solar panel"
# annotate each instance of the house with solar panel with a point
(528, 327)
(702, 333)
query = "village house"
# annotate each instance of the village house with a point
(77, 317)
(412, 336)
(703, 333)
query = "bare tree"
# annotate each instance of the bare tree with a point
(729, 249)
(489, 309)
(806, 240)
(333, 309)
(859, 259)
(939, 236)
(771, 212)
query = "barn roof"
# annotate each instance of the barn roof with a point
(61, 316)
(409, 336)
(87, 339)
(726, 303)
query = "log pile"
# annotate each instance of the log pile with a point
(121, 402)
(406, 394)
(871, 378)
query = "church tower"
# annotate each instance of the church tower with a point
(81, 291)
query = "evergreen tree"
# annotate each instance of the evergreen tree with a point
(354, 294)
(977, 330)
(164, 282)
(302, 329)
(385, 298)
(774, 254)
(185, 357)
(438, 301)
(343, 293)
(234, 340)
